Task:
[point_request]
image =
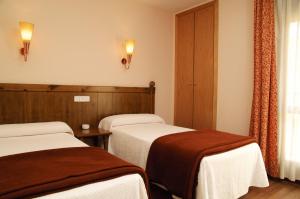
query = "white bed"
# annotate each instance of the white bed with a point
(223, 176)
(16, 139)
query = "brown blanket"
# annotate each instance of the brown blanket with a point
(42, 172)
(174, 160)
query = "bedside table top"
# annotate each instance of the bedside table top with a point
(91, 132)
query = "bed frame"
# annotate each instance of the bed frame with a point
(22, 103)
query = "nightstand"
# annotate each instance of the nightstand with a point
(93, 133)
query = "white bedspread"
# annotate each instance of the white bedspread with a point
(126, 187)
(223, 176)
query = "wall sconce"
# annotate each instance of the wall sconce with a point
(26, 30)
(129, 46)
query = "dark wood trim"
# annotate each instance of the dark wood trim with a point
(73, 88)
(152, 93)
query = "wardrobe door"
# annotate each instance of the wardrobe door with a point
(184, 70)
(204, 68)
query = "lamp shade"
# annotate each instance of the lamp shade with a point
(130, 47)
(26, 30)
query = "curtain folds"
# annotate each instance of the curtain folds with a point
(288, 44)
(264, 106)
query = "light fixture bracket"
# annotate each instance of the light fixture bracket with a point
(25, 50)
(126, 61)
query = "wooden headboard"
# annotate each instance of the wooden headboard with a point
(23, 103)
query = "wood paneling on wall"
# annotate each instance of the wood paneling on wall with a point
(22, 103)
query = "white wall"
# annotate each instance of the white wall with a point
(76, 42)
(80, 42)
(235, 65)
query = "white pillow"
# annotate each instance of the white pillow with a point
(128, 119)
(25, 129)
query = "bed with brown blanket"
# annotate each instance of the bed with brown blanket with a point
(178, 156)
(48, 171)
(45, 160)
(182, 161)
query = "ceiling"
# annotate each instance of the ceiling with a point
(174, 5)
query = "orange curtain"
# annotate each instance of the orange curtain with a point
(264, 106)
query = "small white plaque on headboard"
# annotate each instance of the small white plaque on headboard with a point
(82, 98)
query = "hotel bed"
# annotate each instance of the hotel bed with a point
(21, 138)
(227, 175)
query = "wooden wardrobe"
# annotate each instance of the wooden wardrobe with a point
(196, 67)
